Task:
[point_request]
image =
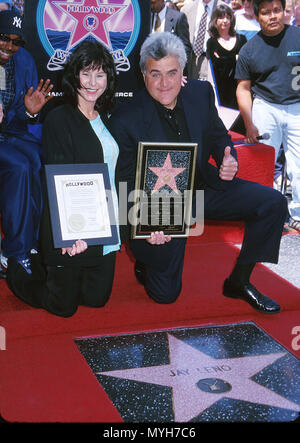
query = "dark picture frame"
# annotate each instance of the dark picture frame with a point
(81, 204)
(164, 181)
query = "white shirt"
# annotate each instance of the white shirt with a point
(200, 11)
(248, 27)
(162, 16)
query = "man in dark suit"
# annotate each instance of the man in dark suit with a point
(165, 19)
(167, 112)
(198, 13)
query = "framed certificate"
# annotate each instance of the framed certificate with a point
(163, 189)
(81, 204)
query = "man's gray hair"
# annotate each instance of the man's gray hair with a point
(162, 44)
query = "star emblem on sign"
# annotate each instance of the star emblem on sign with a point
(166, 175)
(90, 18)
(194, 388)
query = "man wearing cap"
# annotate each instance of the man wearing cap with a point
(21, 99)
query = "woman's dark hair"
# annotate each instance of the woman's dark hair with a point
(89, 55)
(219, 12)
(256, 4)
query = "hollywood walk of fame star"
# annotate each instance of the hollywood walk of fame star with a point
(166, 175)
(195, 386)
(90, 18)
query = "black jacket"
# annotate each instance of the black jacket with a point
(68, 138)
(138, 120)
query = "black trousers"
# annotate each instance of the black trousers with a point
(264, 212)
(60, 290)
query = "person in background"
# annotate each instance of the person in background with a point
(19, 4)
(246, 22)
(198, 14)
(222, 49)
(5, 5)
(236, 5)
(172, 5)
(275, 108)
(12, 5)
(75, 132)
(297, 15)
(22, 98)
(166, 19)
(181, 3)
(289, 12)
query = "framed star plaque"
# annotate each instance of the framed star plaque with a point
(163, 189)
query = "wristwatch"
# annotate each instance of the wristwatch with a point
(31, 115)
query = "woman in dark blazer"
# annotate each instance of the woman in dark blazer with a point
(73, 133)
(222, 49)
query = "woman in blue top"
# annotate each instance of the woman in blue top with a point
(75, 133)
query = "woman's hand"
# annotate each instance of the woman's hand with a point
(158, 238)
(35, 99)
(78, 247)
(1, 113)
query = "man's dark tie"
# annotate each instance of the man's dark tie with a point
(157, 26)
(198, 46)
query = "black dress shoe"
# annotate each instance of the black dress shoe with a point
(2, 273)
(140, 272)
(251, 295)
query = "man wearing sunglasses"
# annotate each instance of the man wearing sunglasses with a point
(21, 99)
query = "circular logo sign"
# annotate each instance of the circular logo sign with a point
(91, 22)
(62, 25)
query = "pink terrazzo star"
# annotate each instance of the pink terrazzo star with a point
(190, 368)
(90, 17)
(166, 175)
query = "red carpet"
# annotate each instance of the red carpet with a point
(43, 376)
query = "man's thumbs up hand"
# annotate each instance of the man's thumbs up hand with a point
(229, 166)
